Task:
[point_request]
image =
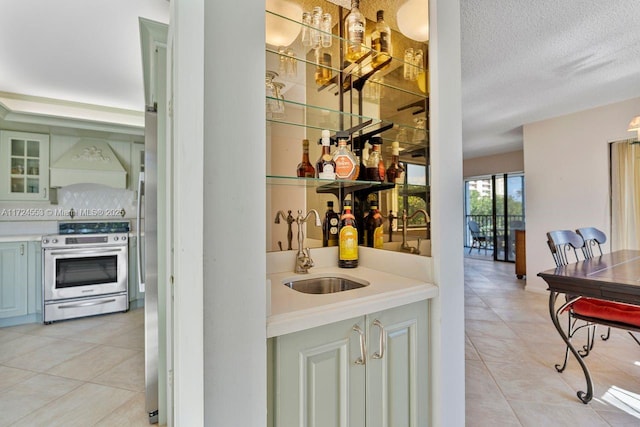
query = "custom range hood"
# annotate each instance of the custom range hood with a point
(89, 161)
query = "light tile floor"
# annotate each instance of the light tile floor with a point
(90, 371)
(511, 350)
(81, 372)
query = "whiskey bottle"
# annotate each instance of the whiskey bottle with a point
(375, 165)
(374, 232)
(305, 168)
(354, 25)
(395, 171)
(381, 40)
(325, 166)
(323, 68)
(345, 160)
(348, 239)
(330, 226)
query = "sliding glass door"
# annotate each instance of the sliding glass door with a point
(496, 204)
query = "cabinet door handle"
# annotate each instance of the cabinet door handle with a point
(45, 192)
(22, 249)
(362, 360)
(382, 341)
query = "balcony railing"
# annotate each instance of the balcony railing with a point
(501, 236)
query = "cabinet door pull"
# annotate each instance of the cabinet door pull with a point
(362, 360)
(45, 192)
(22, 249)
(382, 341)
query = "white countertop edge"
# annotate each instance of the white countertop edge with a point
(38, 237)
(295, 321)
(21, 238)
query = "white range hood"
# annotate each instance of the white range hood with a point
(89, 161)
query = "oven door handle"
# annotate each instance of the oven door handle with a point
(96, 251)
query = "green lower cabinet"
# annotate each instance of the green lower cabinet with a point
(398, 367)
(13, 279)
(368, 371)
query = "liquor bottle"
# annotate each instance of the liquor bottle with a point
(395, 171)
(354, 25)
(375, 165)
(323, 68)
(348, 239)
(325, 166)
(346, 162)
(381, 40)
(305, 168)
(374, 232)
(330, 226)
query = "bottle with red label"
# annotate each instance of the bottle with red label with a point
(348, 238)
(346, 163)
(373, 225)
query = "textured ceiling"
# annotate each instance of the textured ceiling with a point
(522, 61)
(525, 61)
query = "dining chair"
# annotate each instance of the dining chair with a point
(562, 243)
(590, 310)
(593, 238)
(478, 237)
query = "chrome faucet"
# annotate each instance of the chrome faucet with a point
(405, 222)
(303, 258)
(290, 220)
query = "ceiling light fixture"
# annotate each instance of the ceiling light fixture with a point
(635, 126)
(413, 19)
(282, 32)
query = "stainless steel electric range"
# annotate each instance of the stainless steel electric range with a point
(85, 270)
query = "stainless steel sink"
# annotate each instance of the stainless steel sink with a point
(324, 285)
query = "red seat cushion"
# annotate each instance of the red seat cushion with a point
(608, 310)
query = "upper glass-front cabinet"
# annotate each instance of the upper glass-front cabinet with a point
(25, 175)
(311, 86)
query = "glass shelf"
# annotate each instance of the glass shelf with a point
(328, 186)
(390, 77)
(323, 118)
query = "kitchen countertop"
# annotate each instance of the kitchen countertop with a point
(292, 311)
(21, 238)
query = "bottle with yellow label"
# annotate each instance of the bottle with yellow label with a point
(374, 232)
(348, 238)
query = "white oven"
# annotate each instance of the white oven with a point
(84, 275)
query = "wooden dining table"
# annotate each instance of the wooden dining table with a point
(613, 277)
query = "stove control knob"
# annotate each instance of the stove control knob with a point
(54, 241)
(124, 238)
(45, 241)
(115, 238)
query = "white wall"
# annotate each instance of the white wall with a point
(496, 164)
(566, 163)
(447, 328)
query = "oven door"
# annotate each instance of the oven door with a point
(84, 272)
